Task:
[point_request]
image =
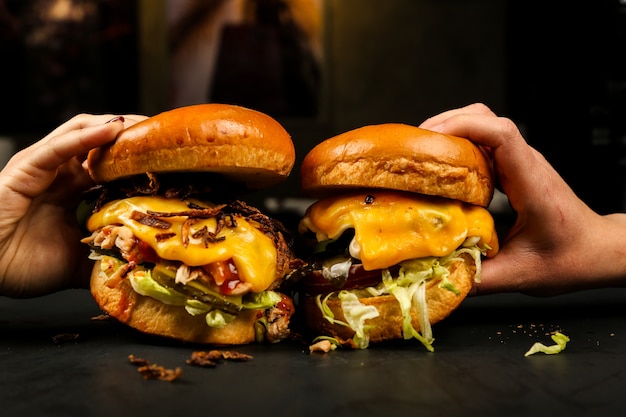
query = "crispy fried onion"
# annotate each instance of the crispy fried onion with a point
(195, 185)
(154, 371)
(210, 359)
(150, 220)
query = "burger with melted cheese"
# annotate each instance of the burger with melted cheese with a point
(177, 253)
(400, 226)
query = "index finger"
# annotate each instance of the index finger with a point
(486, 130)
(84, 120)
(51, 152)
(476, 109)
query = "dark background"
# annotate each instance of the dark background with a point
(55, 360)
(555, 68)
(567, 85)
(57, 63)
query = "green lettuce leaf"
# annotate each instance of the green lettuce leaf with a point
(356, 313)
(143, 283)
(409, 289)
(560, 341)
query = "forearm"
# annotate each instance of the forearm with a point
(591, 259)
(607, 251)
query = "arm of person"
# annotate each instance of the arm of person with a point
(40, 188)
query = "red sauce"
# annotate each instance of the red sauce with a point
(286, 304)
(145, 253)
(224, 272)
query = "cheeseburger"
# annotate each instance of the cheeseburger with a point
(400, 227)
(177, 253)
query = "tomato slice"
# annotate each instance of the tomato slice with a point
(224, 274)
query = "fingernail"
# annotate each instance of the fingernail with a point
(116, 119)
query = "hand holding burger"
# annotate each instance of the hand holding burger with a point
(178, 253)
(40, 188)
(557, 244)
(400, 226)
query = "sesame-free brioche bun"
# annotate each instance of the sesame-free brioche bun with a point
(401, 225)
(168, 226)
(399, 157)
(117, 298)
(244, 145)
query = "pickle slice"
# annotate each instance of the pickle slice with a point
(195, 290)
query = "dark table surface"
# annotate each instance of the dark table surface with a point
(478, 367)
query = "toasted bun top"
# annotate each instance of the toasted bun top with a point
(399, 157)
(243, 144)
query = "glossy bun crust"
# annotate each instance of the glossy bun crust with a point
(243, 144)
(388, 325)
(399, 157)
(119, 300)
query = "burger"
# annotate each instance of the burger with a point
(177, 251)
(400, 226)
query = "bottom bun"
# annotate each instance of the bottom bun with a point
(388, 325)
(118, 299)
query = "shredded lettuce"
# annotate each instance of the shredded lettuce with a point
(356, 313)
(560, 341)
(218, 318)
(447, 285)
(142, 282)
(327, 313)
(265, 299)
(411, 295)
(195, 307)
(409, 289)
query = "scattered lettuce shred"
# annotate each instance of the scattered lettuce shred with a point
(560, 341)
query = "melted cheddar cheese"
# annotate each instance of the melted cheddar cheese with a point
(252, 252)
(391, 227)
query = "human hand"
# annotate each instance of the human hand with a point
(40, 189)
(557, 244)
